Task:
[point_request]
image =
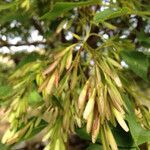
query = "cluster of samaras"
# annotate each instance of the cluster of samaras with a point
(99, 101)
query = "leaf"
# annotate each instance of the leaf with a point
(10, 17)
(4, 147)
(109, 14)
(34, 98)
(100, 147)
(128, 148)
(139, 134)
(62, 7)
(137, 62)
(81, 132)
(14, 13)
(27, 59)
(143, 38)
(7, 6)
(123, 139)
(95, 147)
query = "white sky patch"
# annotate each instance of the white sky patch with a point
(14, 40)
(15, 49)
(126, 32)
(105, 2)
(4, 50)
(98, 43)
(13, 23)
(31, 48)
(77, 47)
(4, 38)
(105, 36)
(147, 28)
(92, 62)
(12, 49)
(101, 32)
(103, 8)
(69, 36)
(35, 36)
(123, 63)
(123, 36)
(133, 16)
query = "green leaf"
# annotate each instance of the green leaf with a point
(4, 147)
(34, 98)
(95, 147)
(62, 7)
(27, 59)
(128, 148)
(137, 62)
(13, 15)
(5, 6)
(139, 134)
(100, 147)
(81, 132)
(144, 39)
(123, 139)
(109, 14)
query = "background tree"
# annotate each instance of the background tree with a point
(88, 75)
